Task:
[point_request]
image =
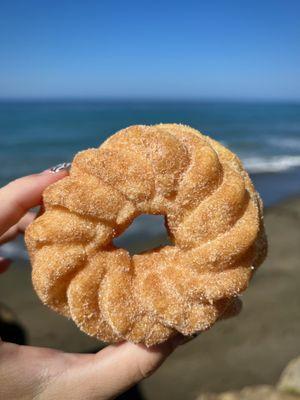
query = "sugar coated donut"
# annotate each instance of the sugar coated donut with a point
(212, 213)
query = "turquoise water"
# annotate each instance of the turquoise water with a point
(38, 135)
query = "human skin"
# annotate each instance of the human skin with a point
(40, 373)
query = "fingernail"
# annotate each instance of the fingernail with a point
(58, 168)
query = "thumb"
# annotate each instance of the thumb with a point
(110, 372)
(126, 364)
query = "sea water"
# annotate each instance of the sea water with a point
(35, 135)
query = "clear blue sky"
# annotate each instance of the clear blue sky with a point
(156, 49)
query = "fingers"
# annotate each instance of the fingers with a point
(113, 370)
(19, 227)
(36, 372)
(128, 364)
(19, 196)
(25, 221)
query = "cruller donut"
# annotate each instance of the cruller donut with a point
(212, 213)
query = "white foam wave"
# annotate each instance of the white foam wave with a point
(290, 143)
(271, 163)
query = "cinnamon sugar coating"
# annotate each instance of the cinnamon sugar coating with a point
(212, 213)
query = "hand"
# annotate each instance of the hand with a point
(39, 373)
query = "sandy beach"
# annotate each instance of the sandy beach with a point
(251, 349)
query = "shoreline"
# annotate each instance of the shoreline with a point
(283, 202)
(275, 187)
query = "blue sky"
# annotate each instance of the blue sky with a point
(150, 49)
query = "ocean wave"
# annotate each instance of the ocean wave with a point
(271, 163)
(289, 143)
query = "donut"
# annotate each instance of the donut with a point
(213, 216)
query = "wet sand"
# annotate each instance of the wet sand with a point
(250, 349)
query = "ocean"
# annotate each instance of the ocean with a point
(35, 135)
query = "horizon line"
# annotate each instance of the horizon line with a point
(147, 99)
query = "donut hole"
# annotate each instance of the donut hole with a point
(146, 232)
